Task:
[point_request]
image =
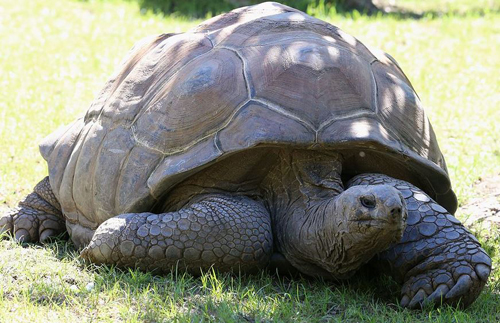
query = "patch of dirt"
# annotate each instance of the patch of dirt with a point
(484, 210)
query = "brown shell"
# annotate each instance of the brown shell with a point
(261, 75)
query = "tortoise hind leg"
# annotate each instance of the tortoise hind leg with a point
(227, 232)
(37, 217)
(438, 259)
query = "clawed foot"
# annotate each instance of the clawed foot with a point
(454, 279)
(37, 218)
(27, 224)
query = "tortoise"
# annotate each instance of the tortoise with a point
(262, 138)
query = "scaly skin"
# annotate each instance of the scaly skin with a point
(37, 217)
(227, 232)
(438, 259)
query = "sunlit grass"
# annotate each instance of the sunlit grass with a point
(55, 57)
(57, 54)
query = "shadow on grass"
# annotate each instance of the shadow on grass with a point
(403, 13)
(204, 292)
(208, 8)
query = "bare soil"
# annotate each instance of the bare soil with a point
(483, 211)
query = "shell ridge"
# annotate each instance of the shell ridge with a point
(217, 142)
(93, 171)
(73, 202)
(396, 65)
(120, 176)
(57, 192)
(144, 144)
(148, 185)
(209, 40)
(355, 114)
(277, 108)
(374, 91)
(246, 76)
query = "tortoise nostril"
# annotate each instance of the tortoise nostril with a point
(396, 211)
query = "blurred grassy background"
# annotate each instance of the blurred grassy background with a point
(55, 57)
(203, 8)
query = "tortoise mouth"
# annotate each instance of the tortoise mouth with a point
(371, 221)
(393, 216)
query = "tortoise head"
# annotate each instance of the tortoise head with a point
(358, 224)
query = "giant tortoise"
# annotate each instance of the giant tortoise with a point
(261, 138)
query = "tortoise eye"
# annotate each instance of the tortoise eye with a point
(368, 201)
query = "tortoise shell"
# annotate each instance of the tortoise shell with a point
(259, 76)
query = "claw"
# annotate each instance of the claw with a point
(461, 287)
(405, 300)
(22, 236)
(46, 234)
(417, 299)
(483, 271)
(438, 294)
(5, 223)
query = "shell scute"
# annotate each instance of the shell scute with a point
(257, 123)
(150, 74)
(194, 103)
(314, 81)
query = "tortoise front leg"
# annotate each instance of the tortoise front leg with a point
(37, 217)
(438, 259)
(227, 232)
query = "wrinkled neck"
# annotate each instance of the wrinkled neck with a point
(300, 191)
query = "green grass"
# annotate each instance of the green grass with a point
(57, 54)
